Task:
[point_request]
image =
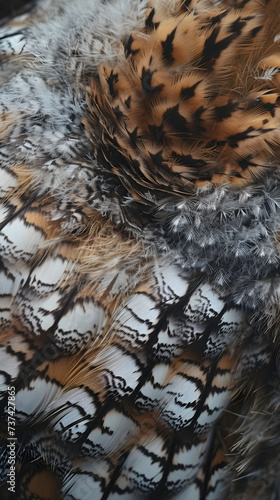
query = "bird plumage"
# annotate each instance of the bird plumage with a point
(139, 246)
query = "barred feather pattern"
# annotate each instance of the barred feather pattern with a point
(139, 250)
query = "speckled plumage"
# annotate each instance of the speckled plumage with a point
(139, 247)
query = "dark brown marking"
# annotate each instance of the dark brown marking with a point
(167, 46)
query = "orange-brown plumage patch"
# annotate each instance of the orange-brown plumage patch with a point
(41, 483)
(173, 114)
